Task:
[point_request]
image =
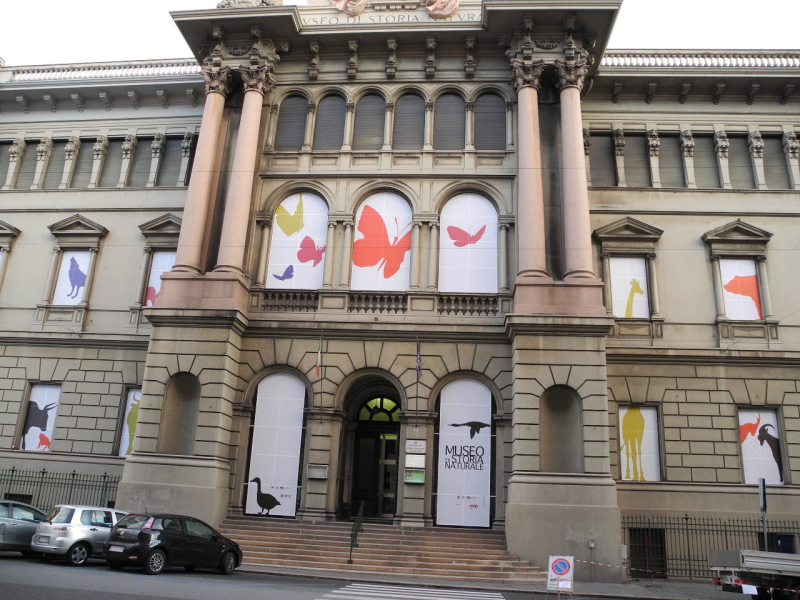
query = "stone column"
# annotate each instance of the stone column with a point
(308, 140)
(263, 251)
(330, 240)
(587, 152)
(43, 152)
(687, 147)
(469, 126)
(721, 144)
(195, 212)
(15, 153)
(532, 254)
(575, 213)
(349, 125)
(619, 156)
(428, 142)
(129, 148)
(388, 127)
(652, 285)
(257, 82)
(607, 297)
(415, 255)
(347, 251)
(156, 156)
(90, 274)
(502, 263)
(653, 146)
(143, 276)
(433, 257)
(71, 151)
(756, 145)
(509, 125)
(186, 154)
(718, 297)
(763, 287)
(272, 128)
(99, 150)
(791, 148)
(51, 278)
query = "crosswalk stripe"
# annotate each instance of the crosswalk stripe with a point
(362, 591)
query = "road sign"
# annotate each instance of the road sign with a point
(560, 573)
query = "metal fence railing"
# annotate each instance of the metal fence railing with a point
(46, 488)
(674, 546)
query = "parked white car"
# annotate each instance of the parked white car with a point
(74, 532)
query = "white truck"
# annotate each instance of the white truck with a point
(773, 573)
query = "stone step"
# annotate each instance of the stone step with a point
(276, 524)
(452, 552)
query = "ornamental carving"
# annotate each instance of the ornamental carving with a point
(441, 9)
(258, 79)
(756, 144)
(129, 146)
(430, 61)
(619, 142)
(16, 150)
(721, 144)
(44, 149)
(570, 73)
(351, 8)
(687, 143)
(186, 144)
(217, 79)
(587, 142)
(72, 147)
(100, 147)
(248, 3)
(157, 145)
(313, 64)
(791, 145)
(653, 143)
(526, 73)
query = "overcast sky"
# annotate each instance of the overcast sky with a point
(67, 31)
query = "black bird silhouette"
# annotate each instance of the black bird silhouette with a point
(266, 501)
(474, 427)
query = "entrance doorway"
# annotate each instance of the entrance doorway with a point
(375, 458)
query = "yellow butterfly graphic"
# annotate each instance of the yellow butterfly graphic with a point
(291, 224)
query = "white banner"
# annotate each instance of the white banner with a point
(40, 420)
(465, 454)
(275, 452)
(761, 448)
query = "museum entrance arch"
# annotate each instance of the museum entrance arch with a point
(371, 450)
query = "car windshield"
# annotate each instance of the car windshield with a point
(132, 521)
(60, 514)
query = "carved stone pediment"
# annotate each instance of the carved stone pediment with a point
(78, 231)
(737, 238)
(162, 231)
(7, 234)
(627, 235)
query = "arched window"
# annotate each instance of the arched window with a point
(468, 246)
(490, 122)
(449, 122)
(368, 128)
(464, 466)
(409, 123)
(179, 415)
(382, 410)
(291, 130)
(329, 123)
(381, 250)
(561, 444)
(297, 249)
(277, 441)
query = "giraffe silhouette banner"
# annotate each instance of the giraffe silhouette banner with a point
(71, 282)
(629, 288)
(639, 457)
(463, 484)
(130, 421)
(275, 450)
(40, 420)
(761, 448)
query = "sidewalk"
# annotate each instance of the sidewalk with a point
(645, 588)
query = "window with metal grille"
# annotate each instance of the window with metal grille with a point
(83, 166)
(409, 123)
(329, 124)
(142, 159)
(637, 160)
(740, 164)
(490, 122)
(776, 171)
(706, 169)
(648, 553)
(449, 122)
(28, 167)
(55, 167)
(291, 130)
(601, 161)
(170, 168)
(113, 165)
(670, 161)
(369, 120)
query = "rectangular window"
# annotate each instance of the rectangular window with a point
(129, 421)
(71, 282)
(639, 454)
(40, 420)
(740, 289)
(761, 448)
(629, 287)
(161, 263)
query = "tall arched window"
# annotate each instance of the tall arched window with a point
(277, 441)
(179, 415)
(490, 122)
(561, 444)
(449, 122)
(409, 123)
(464, 466)
(297, 250)
(368, 128)
(291, 130)
(329, 123)
(468, 246)
(381, 250)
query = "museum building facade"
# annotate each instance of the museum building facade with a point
(454, 263)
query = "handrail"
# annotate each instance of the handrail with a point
(358, 527)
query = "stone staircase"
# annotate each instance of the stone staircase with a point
(469, 555)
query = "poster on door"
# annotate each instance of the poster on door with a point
(761, 447)
(275, 450)
(463, 489)
(40, 420)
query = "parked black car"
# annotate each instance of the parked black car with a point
(154, 541)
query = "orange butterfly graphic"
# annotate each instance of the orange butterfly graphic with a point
(375, 248)
(463, 238)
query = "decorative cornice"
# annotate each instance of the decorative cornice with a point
(257, 78)
(700, 59)
(526, 73)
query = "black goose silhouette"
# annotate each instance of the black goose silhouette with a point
(474, 427)
(266, 501)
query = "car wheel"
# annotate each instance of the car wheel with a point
(78, 555)
(190, 568)
(228, 563)
(115, 565)
(155, 563)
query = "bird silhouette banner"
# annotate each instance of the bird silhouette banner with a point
(463, 486)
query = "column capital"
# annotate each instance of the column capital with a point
(257, 78)
(216, 79)
(429, 105)
(526, 73)
(570, 73)
(350, 107)
(760, 258)
(148, 249)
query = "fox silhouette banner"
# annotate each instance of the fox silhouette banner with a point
(463, 483)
